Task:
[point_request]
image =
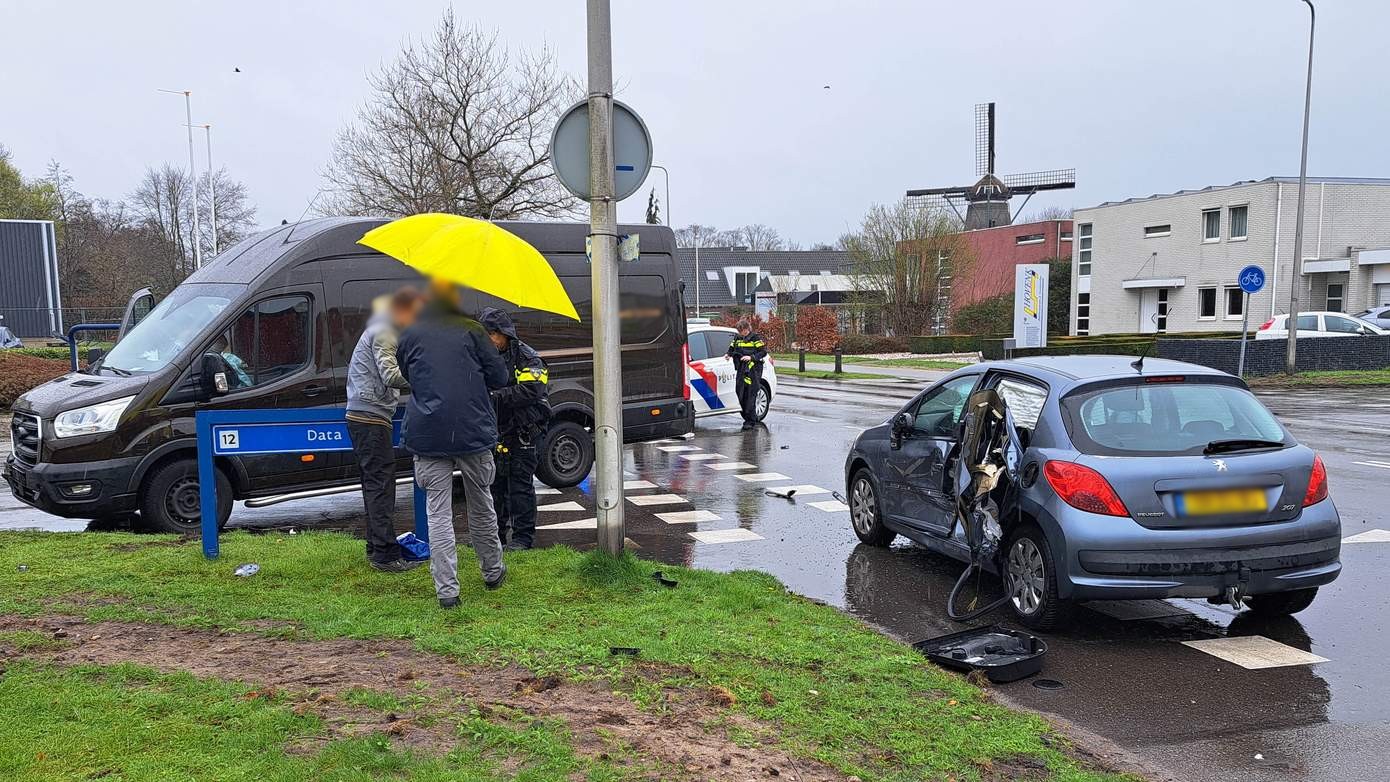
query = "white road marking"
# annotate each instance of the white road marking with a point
(853, 428)
(668, 441)
(732, 466)
(803, 489)
(830, 506)
(634, 485)
(762, 477)
(543, 490)
(1254, 652)
(1369, 536)
(656, 499)
(700, 457)
(1382, 465)
(687, 516)
(735, 535)
(581, 524)
(679, 448)
(561, 506)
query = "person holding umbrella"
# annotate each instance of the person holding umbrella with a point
(450, 425)
(523, 408)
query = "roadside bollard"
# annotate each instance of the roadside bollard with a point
(838, 360)
(801, 360)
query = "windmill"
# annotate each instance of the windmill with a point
(987, 201)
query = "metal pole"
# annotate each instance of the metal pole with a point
(1244, 333)
(668, 191)
(212, 191)
(697, 274)
(1296, 279)
(192, 172)
(603, 228)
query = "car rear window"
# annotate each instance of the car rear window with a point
(1147, 418)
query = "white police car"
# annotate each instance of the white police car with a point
(709, 372)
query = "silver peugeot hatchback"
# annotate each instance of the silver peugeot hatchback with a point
(1124, 480)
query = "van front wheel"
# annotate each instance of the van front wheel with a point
(169, 499)
(566, 456)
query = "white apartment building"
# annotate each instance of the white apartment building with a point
(1168, 263)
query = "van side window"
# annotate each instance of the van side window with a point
(267, 342)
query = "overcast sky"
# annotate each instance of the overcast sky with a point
(1139, 97)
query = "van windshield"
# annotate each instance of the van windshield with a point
(176, 322)
(1167, 418)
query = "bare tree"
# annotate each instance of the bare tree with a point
(164, 205)
(457, 124)
(1049, 213)
(696, 235)
(757, 236)
(905, 257)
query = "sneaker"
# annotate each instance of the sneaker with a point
(498, 582)
(395, 565)
(448, 602)
(516, 547)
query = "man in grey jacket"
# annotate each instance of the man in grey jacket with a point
(374, 386)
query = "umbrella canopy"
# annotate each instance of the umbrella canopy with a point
(475, 253)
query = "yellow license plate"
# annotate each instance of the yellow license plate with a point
(1206, 503)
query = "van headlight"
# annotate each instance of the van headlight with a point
(101, 417)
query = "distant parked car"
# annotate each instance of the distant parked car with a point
(1319, 324)
(1380, 316)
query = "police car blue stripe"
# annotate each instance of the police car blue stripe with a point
(706, 393)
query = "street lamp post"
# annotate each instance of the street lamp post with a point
(192, 172)
(1296, 279)
(668, 191)
(212, 189)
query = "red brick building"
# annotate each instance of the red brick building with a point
(999, 249)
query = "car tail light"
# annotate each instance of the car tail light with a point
(685, 363)
(1084, 489)
(1317, 484)
(1265, 326)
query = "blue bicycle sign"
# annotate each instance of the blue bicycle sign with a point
(1252, 279)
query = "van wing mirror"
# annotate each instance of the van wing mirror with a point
(212, 376)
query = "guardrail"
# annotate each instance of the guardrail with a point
(75, 330)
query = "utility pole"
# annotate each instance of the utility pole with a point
(192, 173)
(697, 274)
(212, 191)
(1296, 279)
(603, 232)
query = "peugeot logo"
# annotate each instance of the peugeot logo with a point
(1220, 465)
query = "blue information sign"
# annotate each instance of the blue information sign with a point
(1252, 279)
(296, 437)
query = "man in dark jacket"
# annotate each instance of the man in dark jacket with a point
(523, 409)
(374, 385)
(748, 350)
(450, 425)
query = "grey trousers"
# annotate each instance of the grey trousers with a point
(435, 474)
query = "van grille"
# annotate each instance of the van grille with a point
(25, 431)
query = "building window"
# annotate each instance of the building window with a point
(1083, 314)
(1083, 254)
(1151, 231)
(1240, 220)
(1064, 236)
(1336, 297)
(744, 283)
(1162, 320)
(1235, 303)
(1029, 239)
(1206, 304)
(1211, 225)
(712, 276)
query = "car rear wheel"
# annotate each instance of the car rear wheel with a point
(763, 403)
(864, 511)
(566, 456)
(1032, 580)
(170, 499)
(1281, 603)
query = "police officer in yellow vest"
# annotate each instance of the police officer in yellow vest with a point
(748, 350)
(523, 410)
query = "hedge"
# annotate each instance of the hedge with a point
(863, 344)
(20, 372)
(945, 343)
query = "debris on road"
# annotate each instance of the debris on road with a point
(247, 570)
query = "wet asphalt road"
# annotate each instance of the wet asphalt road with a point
(1129, 680)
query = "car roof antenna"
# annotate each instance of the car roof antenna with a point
(1138, 363)
(307, 207)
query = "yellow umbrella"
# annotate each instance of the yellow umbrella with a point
(474, 253)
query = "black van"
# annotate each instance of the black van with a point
(291, 303)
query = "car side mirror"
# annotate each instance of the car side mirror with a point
(901, 425)
(212, 376)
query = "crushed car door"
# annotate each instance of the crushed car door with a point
(919, 493)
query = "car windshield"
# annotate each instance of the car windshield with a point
(1150, 418)
(178, 320)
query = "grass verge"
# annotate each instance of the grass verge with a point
(1364, 377)
(826, 688)
(910, 363)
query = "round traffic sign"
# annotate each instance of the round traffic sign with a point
(632, 150)
(1252, 279)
